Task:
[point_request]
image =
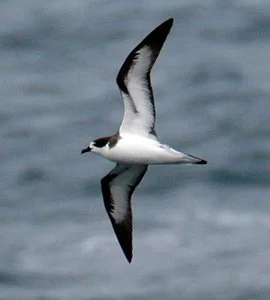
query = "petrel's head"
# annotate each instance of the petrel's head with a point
(97, 145)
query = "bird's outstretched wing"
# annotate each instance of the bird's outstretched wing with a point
(135, 85)
(117, 189)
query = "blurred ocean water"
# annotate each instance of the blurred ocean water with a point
(200, 232)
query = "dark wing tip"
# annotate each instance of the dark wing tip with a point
(158, 36)
(164, 27)
(170, 21)
(155, 40)
(123, 232)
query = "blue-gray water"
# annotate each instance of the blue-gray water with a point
(200, 232)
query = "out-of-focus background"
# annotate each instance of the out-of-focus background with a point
(200, 232)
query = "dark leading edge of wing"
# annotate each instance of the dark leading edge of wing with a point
(154, 41)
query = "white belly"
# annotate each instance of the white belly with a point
(140, 150)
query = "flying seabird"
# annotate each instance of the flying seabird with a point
(135, 145)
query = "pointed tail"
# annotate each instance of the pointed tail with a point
(190, 159)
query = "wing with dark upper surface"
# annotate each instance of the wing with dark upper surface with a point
(117, 189)
(135, 85)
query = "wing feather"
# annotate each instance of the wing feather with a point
(135, 85)
(117, 189)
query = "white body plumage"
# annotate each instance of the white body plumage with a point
(136, 149)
